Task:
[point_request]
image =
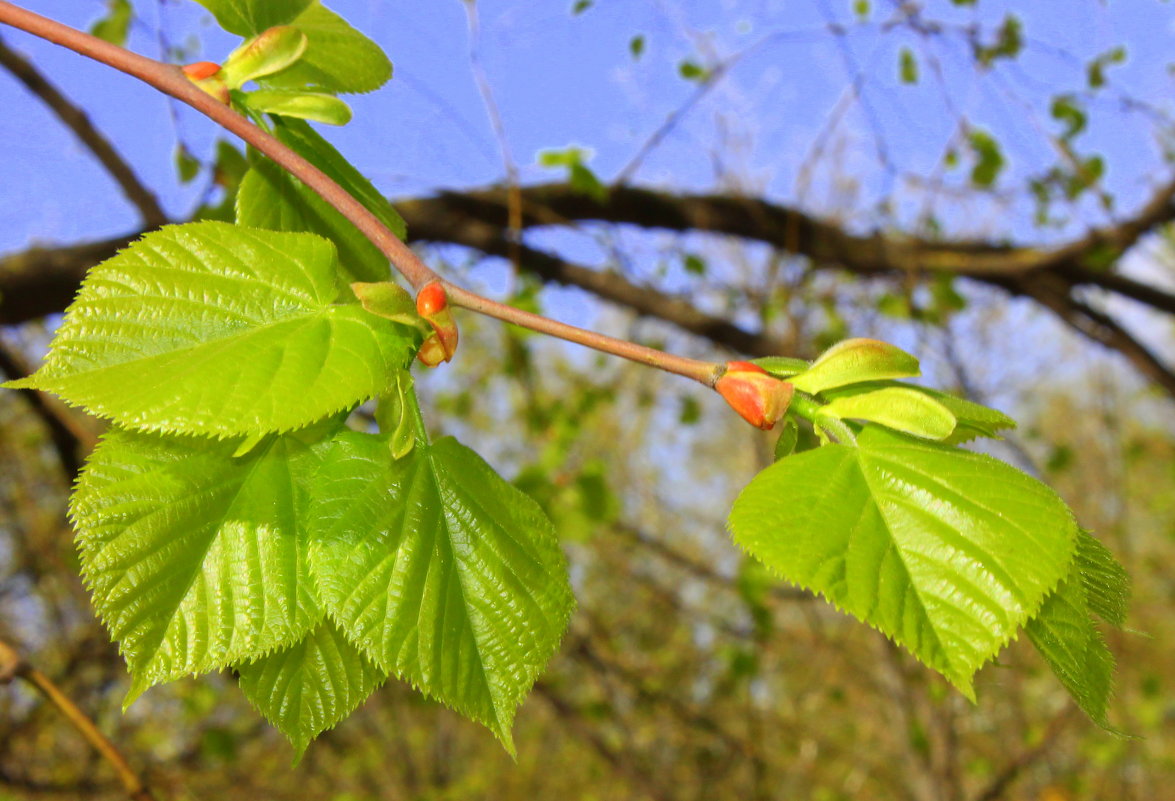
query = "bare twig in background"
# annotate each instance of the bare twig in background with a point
(78, 121)
(72, 439)
(12, 667)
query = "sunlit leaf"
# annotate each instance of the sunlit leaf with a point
(309, 686)
(219, 329)
(444, 574)
(196, 559)
(947, 552)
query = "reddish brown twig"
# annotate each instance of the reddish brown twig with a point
(12, 666)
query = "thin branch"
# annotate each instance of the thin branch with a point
(1026, 759)
(71, 439)
(12, 666)
(171, 80)
(78, 121)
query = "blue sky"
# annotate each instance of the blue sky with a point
(562, 79)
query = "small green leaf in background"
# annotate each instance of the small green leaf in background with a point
(309, 686)
(694, 264)
(196, 559)
(251, 17)
(861, 8)
(187, 166)
(581, 6)
(1067, 110)
(270, 198)
(636, 46)
(852, 361)
(908, 66)
(1009, 41)
(947, 552)
(581, 178)
(989, 157)
(338, 58)
(693, 71)
(1096, 71)
(115, 26)
(210, 328)
(441, 572)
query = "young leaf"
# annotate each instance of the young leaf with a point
(196, 559)
(853, 361)
(270, 198)
(210, 328)
(314, 106)
(250, 17)
(440, 571)
(947, 552)
(900, 408)
(971, 419)
(1065, 635)
(311, 685)
(338, 58)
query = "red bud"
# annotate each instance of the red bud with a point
(433, 306)
(431, 299)
(201, 70)
(759, 398)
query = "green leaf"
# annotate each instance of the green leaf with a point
(270, 198)
(971, 419)
(636, 46)
(580, 7)
(196, 559)
(1096, 70)
(271, 51)
(1065, 635)
(310, 685)
(441, 572)
(250, 17)
(788, 438)
(338, 58)
(210, 328)
(1105, 581)
(1068, 110)
(187, 166)
(853, 361)
(989, 158)
(945, 551)
(782, 366)
(115, 26)
(314, 106)
(908, 66)
(900, 408)
(693, 71)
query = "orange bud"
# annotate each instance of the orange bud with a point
(758, 397)
(431, 299)
(201, 70)
(433, 306)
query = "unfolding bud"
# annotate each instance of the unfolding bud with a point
(760, 398)
(855, 361)
(432, 352)
(314, 106)
(208, 76)
(433, 305)
(268, 52)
